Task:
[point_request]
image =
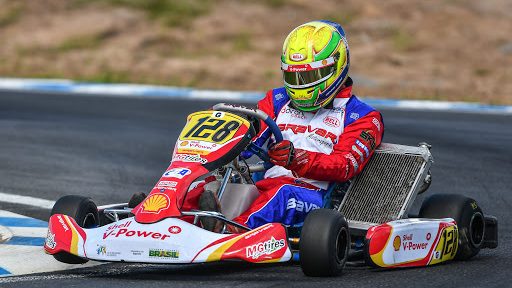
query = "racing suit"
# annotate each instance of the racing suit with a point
(338, 140)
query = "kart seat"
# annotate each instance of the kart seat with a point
(236, 198)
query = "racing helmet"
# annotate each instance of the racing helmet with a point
(315, 64)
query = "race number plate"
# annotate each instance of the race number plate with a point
(212, 126)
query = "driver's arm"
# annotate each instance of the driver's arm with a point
(353, 150)
(266, 105)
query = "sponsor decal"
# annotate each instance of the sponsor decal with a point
(376, 123)
(250, 235)
(103, 251)
(199, 147)
(123, 230)
(408, 243)
(397, 243)
(264, 248)
(297, 57)
(279, 96)
(300, 129)
(331, 121)
(298, 68)
(368, 137)
(293, 113)
(177, 173)
(353, 160)
(218, 114)
(117, 226)
(159, 253)
(354, 115)
(62, 223)
(166, 184)
(155, 203)
(174, 229)
(321, 141)
(137, 252)
(355, 149)
(189, 158)
(50, 240)
(300, 206)
(363, 147)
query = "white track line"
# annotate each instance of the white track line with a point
(26, 200)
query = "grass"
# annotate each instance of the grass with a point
(10, 16)
(170, 12)
(79, 42)
(343, 17)
(402, 40)
(242, 41)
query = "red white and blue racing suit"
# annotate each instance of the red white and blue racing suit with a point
(338, 139)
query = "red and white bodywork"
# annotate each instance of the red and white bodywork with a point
(168, 241)
(412, 242)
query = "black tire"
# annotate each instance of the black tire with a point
(324, 243)
(85, 213)
(468, 215)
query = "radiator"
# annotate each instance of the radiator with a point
(387, 186)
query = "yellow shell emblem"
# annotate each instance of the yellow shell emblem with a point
(155, 203)
(397, 243)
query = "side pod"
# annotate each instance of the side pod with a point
(411, 243)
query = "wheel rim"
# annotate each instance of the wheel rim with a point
(341, 245)
(476, 229)
(89, 221)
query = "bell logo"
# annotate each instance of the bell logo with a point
(397, 243)
(297, 57)
(155, 203)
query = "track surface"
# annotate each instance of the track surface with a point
(108, 148)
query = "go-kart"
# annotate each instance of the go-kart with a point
(365, 220)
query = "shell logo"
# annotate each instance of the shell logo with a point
(155, 203)
(396, 243)
(184, 143)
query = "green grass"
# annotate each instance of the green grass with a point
(242, 41)
(402, 40)
(343, 17)
(10, 16)
(170, 12)
(482, 72)
(79, 42)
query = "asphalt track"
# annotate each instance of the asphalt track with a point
(108, 147)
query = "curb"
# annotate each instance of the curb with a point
(64, 86)
(21, 250)
(5, 234)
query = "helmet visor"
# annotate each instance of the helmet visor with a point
(304, 79)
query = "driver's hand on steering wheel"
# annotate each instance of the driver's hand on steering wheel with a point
(284, 154)
(281, 153)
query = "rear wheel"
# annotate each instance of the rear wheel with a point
(468, 215)
(324, 243)
(85, 213)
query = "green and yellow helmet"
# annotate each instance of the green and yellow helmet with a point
(315, 64)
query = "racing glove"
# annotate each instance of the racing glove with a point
(281, 153)
(284, 154)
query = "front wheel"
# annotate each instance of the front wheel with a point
(468, 215)
(324, 243)
(85, 213)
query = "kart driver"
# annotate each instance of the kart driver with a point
(329, 134)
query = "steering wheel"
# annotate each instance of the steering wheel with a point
(274, 129)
